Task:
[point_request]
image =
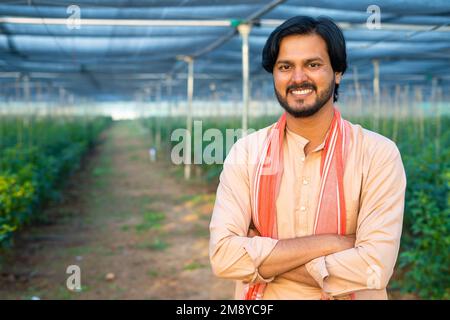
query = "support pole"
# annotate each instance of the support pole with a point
(61, 101)
(158, 115)
(436, 111)
(244, 31)
(397, 107)
(376, 92)
(418, 95)
(169, 96)
(357, 91)
(26, 113)
(190, 94)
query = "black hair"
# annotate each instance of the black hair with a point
(322, 26)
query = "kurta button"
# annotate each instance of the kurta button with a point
(302, 208)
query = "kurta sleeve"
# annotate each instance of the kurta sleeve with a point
(233, 255)
(370, 264)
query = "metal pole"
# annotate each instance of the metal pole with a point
(357, 91)
(17, 87)
(61, 98)
(397, 112)
(437, 100)
(244, 31)
(119, 22)
(48, 106)
(376, 91)
(169, 96)
(190, 93)
(26, 114)
(16, 115)
(158, 115)
(26, 91)
(419, 110)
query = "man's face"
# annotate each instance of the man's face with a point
(303, 77)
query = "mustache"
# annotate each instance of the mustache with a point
(301, 86)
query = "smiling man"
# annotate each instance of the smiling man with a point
(310, 207)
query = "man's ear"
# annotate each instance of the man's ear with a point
(338, 77)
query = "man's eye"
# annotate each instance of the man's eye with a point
(314, 65)
(284, 67)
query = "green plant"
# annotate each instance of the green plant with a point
(36, 155)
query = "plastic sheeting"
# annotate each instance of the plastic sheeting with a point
(93, 61)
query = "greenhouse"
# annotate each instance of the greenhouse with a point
(97, 95)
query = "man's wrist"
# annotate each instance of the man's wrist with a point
(317, 270)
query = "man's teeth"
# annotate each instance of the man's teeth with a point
(305, 91)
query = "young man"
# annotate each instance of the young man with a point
(310, 207)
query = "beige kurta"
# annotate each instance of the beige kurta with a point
(374, 184)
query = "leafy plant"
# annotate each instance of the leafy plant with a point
(36, 154)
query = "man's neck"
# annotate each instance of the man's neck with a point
(313, 128)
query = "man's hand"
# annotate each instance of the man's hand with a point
(290, 254)
(301, 274)
(253, 232)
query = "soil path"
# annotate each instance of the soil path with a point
(136, 229)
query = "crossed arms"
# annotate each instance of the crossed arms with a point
(288, 257)
(338, 264)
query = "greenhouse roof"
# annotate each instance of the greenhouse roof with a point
(118, 49)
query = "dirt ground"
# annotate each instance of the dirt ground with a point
(136, 229)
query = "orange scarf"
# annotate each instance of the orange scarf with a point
(330, 215)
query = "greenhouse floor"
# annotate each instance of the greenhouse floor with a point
(135, 228)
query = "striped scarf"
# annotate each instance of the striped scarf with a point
(330, 214)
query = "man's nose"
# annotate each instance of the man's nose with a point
(299, 75)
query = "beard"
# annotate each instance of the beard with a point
(307, 110)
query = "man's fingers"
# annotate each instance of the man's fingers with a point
(326, 296)
(253, 233)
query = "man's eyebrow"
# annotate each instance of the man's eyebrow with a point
(283, 61)
(306, 61)
(313, 59)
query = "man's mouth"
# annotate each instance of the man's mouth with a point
(301, 93)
